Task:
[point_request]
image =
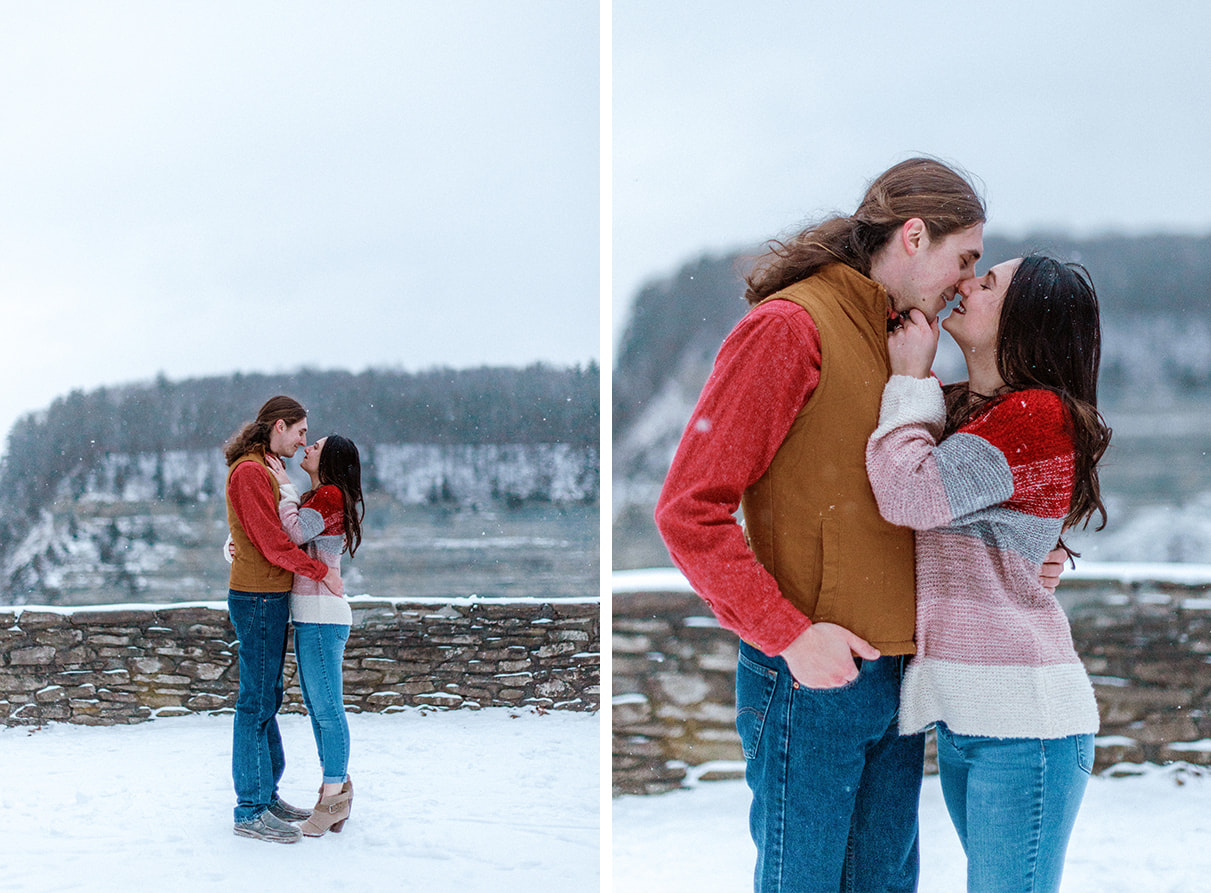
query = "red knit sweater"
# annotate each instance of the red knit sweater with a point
(766, 370)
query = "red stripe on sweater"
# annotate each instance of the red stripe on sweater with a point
(1031, 429)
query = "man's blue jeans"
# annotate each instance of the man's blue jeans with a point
(1013, 802)
(319, 649)
(835, 786)
(257, 758)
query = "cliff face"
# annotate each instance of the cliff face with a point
(148, 526)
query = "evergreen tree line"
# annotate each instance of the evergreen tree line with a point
(536, 404)
(1156, 287)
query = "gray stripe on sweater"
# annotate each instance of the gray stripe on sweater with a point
(1028, 535)
(974, 473)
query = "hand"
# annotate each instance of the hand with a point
(913, 345)
(1053, 566)
(823, 656)
(277, 469)
(332, 581)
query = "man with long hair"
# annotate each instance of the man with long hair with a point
(817, 585)
(258, 601)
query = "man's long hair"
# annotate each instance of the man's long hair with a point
(924, 188)
(256, 434)
(1049, 336)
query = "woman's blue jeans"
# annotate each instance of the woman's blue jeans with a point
(257, 758)
(1013, 802)
(319, 649)
(835, 786)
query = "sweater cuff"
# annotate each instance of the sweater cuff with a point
(911, 401)
(287, 493)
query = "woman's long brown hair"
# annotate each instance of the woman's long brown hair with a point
(341, 466)
(1050, 337)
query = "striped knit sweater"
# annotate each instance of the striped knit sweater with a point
(318, 526)
(994, 649)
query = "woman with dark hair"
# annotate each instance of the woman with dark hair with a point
(326, 522)
(990, 473)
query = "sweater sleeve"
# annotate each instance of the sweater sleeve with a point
(301, 523)
(766, 370)
(252, 501)
(921, 483)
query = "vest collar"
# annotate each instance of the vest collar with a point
(861, 292)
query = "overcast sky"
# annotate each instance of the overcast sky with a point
(208, 187)
(737, 122)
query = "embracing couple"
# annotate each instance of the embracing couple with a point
(285, 553)
(901, 541)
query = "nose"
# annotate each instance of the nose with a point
(965, 286)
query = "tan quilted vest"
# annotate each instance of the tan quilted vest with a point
(811, 519)
(250, 570)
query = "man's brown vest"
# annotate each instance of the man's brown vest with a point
(811, 519)
(250, 570)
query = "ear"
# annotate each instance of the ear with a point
(280, 426)
(914, 236)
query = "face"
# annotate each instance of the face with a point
(311, 457)
(286, 439)
(934, 271)
(976, 319)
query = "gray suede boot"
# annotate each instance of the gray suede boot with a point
(268, 827)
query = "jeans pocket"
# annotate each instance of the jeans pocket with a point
(1085, 751)
(755, 686)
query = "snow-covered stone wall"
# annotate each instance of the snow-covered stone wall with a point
(124, 664)
(1145, 641)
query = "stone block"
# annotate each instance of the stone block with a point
(73, 656)
(557, 649)
(1196, 753)
(437, 699)
(207, 631)
(12, 683)
(51, 694)
(32, 620)
(38, 656)
(58, 637)
(206, 702)
(103, 639)
(149, 664)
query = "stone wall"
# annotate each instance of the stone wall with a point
(1145, 643)
(124, 664)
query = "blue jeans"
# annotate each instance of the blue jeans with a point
(319, 649)
(1014, 802)
(257, 759)
(835, 786)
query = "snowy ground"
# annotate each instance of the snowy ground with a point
(490, 800)
(1146, 833)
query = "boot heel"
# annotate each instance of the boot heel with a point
(329, 814)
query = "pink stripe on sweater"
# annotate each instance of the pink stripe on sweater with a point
(982, 607)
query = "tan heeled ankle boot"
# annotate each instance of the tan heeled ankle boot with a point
(329, 814)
